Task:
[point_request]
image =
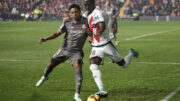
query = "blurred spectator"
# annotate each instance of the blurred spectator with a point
(53, 9)
(156, 7)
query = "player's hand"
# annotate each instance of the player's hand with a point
(116, 43)
(42, 40)
(86, 29)
(65, 16)
(114, 17)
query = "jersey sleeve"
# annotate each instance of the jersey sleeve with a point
(62, 28)
(85, 14)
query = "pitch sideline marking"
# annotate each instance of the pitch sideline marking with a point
(149, 34)
(15, 60)
(153, 63)
(171, 94)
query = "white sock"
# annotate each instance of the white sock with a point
(127, 59)
(97, 75)
(77, 97)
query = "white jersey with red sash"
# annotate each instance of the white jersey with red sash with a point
(94, 18)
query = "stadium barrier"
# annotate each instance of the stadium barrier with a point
(159, 18)
(1, 19)
(151, 18)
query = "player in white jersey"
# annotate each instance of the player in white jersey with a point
(98, 16)
(100, 27)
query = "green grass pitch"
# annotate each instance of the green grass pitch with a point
(151, 77)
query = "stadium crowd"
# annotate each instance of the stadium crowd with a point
(155, 7)
(15, 9)
(35, 9)
(18, 9)
(11, 9)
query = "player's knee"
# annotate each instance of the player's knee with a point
(79, 61)
(121, 63)
(54, 61)
(78, 64)
(95, 60)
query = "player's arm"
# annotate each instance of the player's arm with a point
(101, 28)
(53, 36)
(100, 22)
(87, 30)
(65, 16)
(115, 13)
(61, 30)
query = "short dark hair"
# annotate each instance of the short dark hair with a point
(93, 1)
(75, 6)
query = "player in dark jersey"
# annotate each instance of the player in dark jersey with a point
(75, 28)
(114, 13)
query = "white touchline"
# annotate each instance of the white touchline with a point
(155, 63)
(171, 94)
(152, 63)
(15, 60)
(149, 34)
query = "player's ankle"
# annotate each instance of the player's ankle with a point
(101, 89)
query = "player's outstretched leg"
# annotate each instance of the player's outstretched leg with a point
(47, 70)
(41, 81)
(128, 57)
(77, 97)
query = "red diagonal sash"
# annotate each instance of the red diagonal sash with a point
(97, 30)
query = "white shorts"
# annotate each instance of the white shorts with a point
(108, 50)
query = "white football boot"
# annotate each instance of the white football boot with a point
(40, 82)
(102, 93)
(77, 97)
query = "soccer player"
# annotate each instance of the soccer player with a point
(74, 40)
(112, 11)
(101, 44)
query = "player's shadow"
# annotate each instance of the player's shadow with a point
(35, 97)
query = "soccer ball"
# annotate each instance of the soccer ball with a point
(93, 98)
